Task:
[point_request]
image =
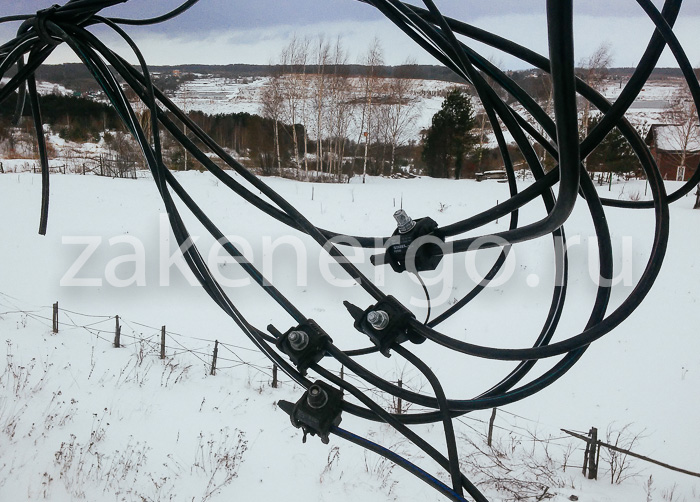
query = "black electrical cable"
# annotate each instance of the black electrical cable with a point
(400, 427)
(363, 241)
(400, 461)
(43, 156)
(39, 34)
(427, 296)
(158, 19)
(645, 66)
(447, 424)
(560, 352)
(192, 257)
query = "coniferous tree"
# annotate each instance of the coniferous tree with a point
(614, 154)
(449, 140)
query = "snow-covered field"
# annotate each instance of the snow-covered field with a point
(81, 420)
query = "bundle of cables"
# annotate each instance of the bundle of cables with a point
(389, 324)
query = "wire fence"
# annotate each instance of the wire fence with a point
(145, 336)
(138, 334)
(154, 340)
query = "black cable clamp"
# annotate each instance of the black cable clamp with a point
(318, 410)
(385, 323)
(305, 344)
(428, 253)
(39, 22)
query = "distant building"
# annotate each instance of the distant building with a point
(666, 145)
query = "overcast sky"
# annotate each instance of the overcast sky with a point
(227, 31)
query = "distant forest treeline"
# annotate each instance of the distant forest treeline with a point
(73, 118)
(75, 76)
(83, 120)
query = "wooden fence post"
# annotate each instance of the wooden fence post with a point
(55, 317)
(213, 360)
(117, 333)
(274, 376)
(162, 342)
(491, 421)
(592, 454)
(611, 447)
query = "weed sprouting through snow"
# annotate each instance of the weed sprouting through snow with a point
(219, 459)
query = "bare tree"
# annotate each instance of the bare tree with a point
(122, 157)
(322, 58)
(543, 91)
(401, 109)
(272, 103)
(294, 58)
(683, 132)
(370, 85)
(340, 110)
(302, 81)
(186, 98)
(593, 70)
(620, 464)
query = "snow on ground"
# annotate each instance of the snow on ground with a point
(44, 87)
(80, 420)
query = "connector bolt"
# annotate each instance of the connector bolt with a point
(404, 221)
(298, 340)
(317, 397)
(378, 319)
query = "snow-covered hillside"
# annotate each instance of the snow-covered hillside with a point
(653, 101)
(214, 95)
(81, 420)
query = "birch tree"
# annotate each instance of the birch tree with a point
(272, 106)
(401, 109)
(294, 59)
(339, 110)
(684, 136)
(321, 57)
(593, 71)
(370, 84)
